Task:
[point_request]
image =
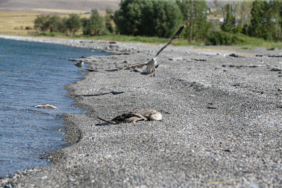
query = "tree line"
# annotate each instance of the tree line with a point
(161, 18)
(72, 24)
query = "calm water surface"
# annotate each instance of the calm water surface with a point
(33, 74)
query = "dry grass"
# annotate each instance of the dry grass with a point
(15, 23)
(58, 11)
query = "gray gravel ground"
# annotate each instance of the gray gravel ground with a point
(221, 122)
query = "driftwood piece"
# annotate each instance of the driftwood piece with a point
(138, 65)
(135, 115)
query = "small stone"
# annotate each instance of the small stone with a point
(235, 55)
(44, 177)
(252, 66)
(200, 59)
(225, 64)
(237, 84)
(176, 59)
(212, 107)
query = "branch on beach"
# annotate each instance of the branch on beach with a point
(138, 65)
(106, 120)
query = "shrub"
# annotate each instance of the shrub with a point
(272, 48)
(222, 38)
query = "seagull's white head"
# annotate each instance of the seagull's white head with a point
(155, 60)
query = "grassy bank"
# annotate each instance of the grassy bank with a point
(123, 38)
(244, 42)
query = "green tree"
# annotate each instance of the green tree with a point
(116, 21)
(42, 22)
(240, 8)
(256, 26)
(243, 13)
(276, 19)
(145, 17)
(214, 25)
(62, 26)
(161, 18)
(73, 23)
(94, 25)
(54, 22)
(229, 23)
(195, 15)
(266, 20)
(129, 17)
(84, 22)
(109, 18)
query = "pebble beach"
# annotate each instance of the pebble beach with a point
(221, 126)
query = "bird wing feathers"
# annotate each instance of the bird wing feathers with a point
(173, 38)
(146, 63)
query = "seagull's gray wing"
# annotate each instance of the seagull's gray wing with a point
(173, 38)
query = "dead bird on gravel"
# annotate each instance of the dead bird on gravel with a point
(152, 64)
(135, 115)
(80, 64)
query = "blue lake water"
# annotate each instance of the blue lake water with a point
(33, 74)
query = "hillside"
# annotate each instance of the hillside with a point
(56, 6)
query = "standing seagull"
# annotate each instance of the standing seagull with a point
(80, 64)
